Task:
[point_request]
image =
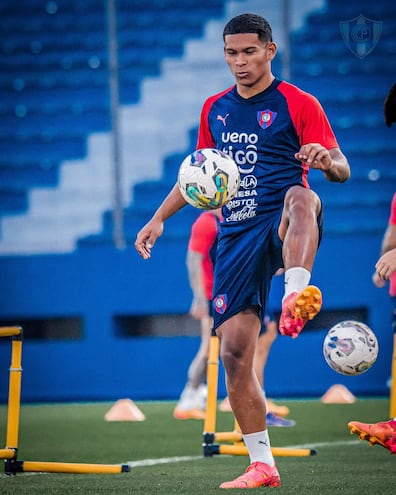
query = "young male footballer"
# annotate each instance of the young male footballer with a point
(276, 133)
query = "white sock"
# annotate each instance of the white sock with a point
(259, 447)
(296, 279)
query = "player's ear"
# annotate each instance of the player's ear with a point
(271, 50)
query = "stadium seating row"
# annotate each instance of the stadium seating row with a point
(58, 92)
(55, 81)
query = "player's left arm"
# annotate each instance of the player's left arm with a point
(332, 162)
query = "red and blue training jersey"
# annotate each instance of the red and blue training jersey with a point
(262, 134)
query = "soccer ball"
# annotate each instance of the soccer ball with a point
(350, 348)
(208, 179)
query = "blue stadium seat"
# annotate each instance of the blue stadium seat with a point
(54, 81)
(55, 89)
(12, 202)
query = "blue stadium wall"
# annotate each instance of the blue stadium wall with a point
(99, 284)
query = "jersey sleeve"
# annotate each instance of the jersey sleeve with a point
(205, 138)
(309, 118)
(315, 127)
(203, 234)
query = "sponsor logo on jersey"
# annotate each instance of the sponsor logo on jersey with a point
(245, 157)
(223, 119)
(242, 147)
(249, 182)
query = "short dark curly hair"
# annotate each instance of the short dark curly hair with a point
(390, 106)
(249, 23)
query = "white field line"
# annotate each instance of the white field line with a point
(320, 445)
(162, 460)
(169, 460)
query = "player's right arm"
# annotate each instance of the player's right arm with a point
(153, 229)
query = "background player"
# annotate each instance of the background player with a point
(200, 261)
(384, 432)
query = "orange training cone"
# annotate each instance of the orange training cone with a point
(124, 410)
(338, 394)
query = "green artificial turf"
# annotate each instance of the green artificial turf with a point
(79, 433)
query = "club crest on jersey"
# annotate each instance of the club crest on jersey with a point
(266, 117)
(220, 303)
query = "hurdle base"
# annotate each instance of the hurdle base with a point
(211, 449)
(14, 466)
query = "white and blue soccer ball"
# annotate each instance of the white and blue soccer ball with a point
(208, 179)
(350, 347)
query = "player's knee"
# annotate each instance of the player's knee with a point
(299, 201)
(235, 363)
(229, 359)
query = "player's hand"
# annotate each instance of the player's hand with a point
(199, 308)
(315, 156)
(146, 238)
(386, 265)
(377, 281)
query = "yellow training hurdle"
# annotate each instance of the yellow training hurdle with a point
(12, 465)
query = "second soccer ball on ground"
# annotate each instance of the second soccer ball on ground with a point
(350, 347)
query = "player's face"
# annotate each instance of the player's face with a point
(249, 60)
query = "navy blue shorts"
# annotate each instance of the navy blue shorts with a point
(246, 260)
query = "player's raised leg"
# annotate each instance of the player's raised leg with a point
(298, 308)
(300, 230)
